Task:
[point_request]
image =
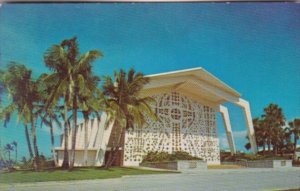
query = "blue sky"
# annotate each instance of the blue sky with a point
(253, 47)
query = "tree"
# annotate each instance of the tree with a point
(15, 146)
(260, 134)
(274, 120)
(11, 81)
(128, 108)
(90, 101)
(1, 87)
(22, 91)
(294, 129)
(49, 117)
(9, 148)
(269, 130)
(70, 69)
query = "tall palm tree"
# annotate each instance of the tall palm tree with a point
(91, 105)
(70, 69)
(48, 116)
(15, 145)
(1, 86)
(274, 120)
(91, 100)
(294, 129)
(260, 134)
(50, 119)
(24, 95)
(5, 115)
(9, 148)
(129, 109)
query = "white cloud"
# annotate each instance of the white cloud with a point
(240, 134)
(237, 136)
(223, 141)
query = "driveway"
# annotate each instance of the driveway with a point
(229, 179)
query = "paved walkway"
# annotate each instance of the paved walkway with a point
(233, 179)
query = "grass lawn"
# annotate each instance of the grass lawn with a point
(76, 174)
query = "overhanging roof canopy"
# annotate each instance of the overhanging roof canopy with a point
(195, 83)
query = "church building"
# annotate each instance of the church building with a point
(186, 103)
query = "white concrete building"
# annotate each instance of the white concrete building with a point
(186, 105)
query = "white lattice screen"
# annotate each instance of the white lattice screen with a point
(183, 125)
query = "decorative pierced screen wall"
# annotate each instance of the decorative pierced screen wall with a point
(183, 125)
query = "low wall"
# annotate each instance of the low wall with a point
(262, 163)
(187, 165)
(162, 165)
(282, 163)
(181, 165)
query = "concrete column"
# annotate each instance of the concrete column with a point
(246, 108)
(225, 115)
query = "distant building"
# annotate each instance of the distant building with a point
(186, 105)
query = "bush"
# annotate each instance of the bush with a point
(44, 163)
(251, 157)
(166, 157)
(26, 164)
(6, 164)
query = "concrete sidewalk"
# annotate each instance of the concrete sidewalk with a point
(229, 179)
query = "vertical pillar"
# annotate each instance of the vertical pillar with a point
(246, 108)
(225, 115)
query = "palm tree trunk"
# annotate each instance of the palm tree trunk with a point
(114, 151)
(269, 145)
(16, 159)
(52, 141)
(295, 144)
(65, 164)
(34, 141)
(264, 148)
(113, 145)
(275, 149)
(85, 155)
(74, 132)
(51, 134)
(295, 147)
(28, 142)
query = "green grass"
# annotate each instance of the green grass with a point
(76, 174)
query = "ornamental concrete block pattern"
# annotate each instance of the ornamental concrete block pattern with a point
(186, 103)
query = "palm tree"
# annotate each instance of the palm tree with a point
(70, 69)
(8, 148)
(90, 101)
(49, 117)
(24, 95)
(294, 129)
(129, 110)
(274, 120)
(1, 86)
(260, 134)
(15, 145)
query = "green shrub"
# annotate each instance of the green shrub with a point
(164, 156)
(44, 163)
(26, 164)
(251, 157)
